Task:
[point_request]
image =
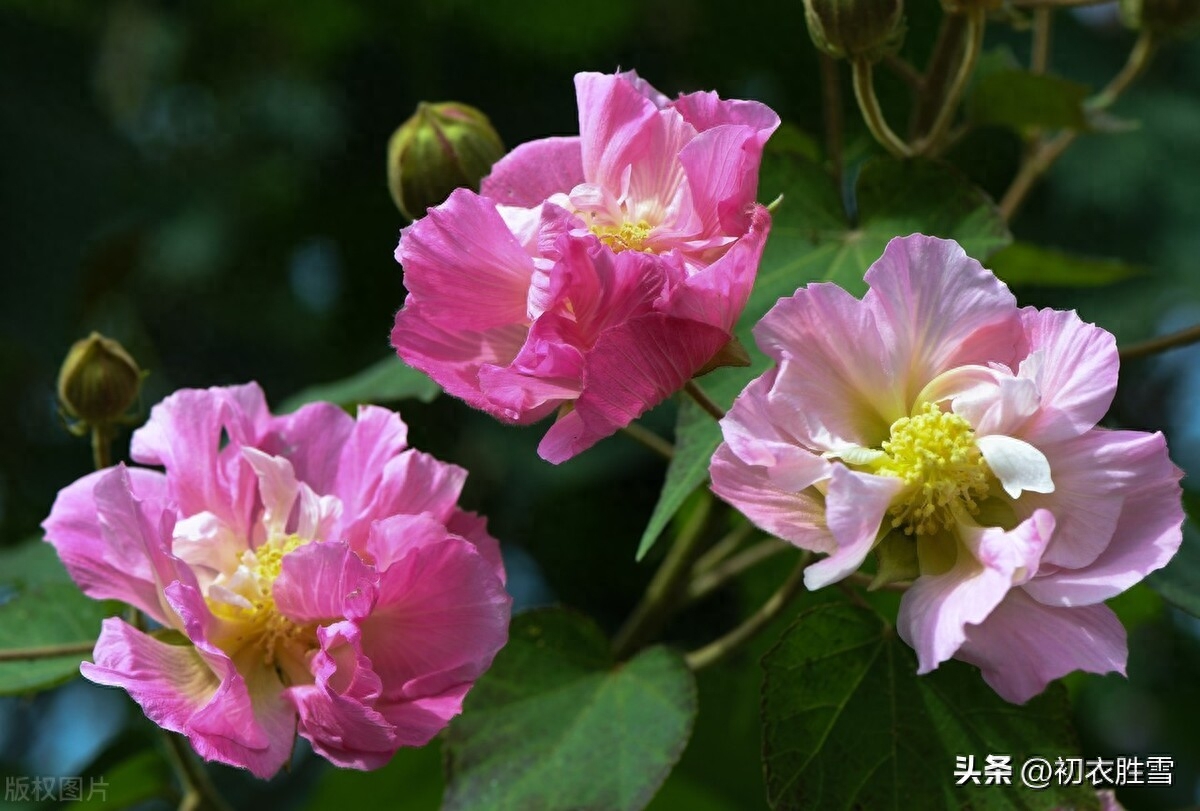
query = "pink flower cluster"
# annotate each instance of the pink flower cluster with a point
(955, 435)
(310, 573)
(596, 274)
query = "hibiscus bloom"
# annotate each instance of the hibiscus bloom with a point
(310, 573)
(956, 435)
(596, 274)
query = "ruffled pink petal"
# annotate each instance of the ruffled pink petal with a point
(417, 720)
(718, 293)
(756, 438)
(473, 528)
(187, 434)
(1075, 367)
(546, 373)
(464, 266)
(322, 583)
(614, 123)
(1023, 645)
(796, 515)
(936, 610)
(722, 172)
(451, 355)
(855, 506)
(993, 402)
(312, 439)
(247, 722)
(834, 389)
(603, 289)
(705, 110)
(106, 565)
(534, 171)
(393, 538)
(336, 712)
(937, 308)
(630, 369)
(411, 483)
(1147, 533)
(277, 487)
(440, 618)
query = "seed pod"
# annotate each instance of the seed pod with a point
(442, 147)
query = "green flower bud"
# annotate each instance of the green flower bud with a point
(442, 147)
(98, 381)
(856, 28)
(1166, 17)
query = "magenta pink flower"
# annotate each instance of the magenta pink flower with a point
(310, 572)
(955, 434)
(597, 274)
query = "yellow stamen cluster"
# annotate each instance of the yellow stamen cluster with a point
(627, 236)
(260, 623)
(936, 455)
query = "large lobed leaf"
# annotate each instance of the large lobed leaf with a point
(387, 381)
(813, 239)
(41, 607)
(556, 725)
(847, 724)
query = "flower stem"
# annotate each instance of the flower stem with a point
(1043, 26)
(976, 23)
(199, 794)
(102, 437)
(706, 582)
(1045, 153)
(1153, 346)
(718, 649)
(831, 102)
(722, 548)
(45, 651)
(868, 104)
(667, 585)
(651, 440)
(703, 400)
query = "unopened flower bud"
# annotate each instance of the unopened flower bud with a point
(99, 381)
(856, 28)
(442, 147)
(1165, 17)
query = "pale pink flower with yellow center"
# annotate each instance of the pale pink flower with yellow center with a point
(955, 435)
(596, 274)
(310, 573)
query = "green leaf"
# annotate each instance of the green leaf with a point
(813, 239)
(412, 774)
(1179, 581)
(556, 724)
(1022, 100)
(41, 607)
(1024, 264)
(138, 779)
(847, 723)
(387, 381)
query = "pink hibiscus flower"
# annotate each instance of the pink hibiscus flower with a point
(311, 574)
(597, 274)
(955, 434)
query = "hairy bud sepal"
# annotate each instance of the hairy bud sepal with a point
(853, 29)
(98, 384)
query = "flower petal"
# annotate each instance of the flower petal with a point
(718, 293)
(1075, 367)
(464, 266)
(937, 308)
(796, 515)
(1147, 533)
(312, 438)
(854, 509)
(1023, 645)
(935, 612)
(1018, 465)
(614, 123)
(534, 171)
(440, 618)
(322, 583)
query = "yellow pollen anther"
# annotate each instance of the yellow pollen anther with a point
(936, 455)
(627, 236)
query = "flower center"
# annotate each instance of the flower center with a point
(624, 237)
(936, 455)
(244, 599)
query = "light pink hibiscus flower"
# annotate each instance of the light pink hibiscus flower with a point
(310, 573)
(597, 274)
(955, 434)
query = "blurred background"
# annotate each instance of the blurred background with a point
(205, 182)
